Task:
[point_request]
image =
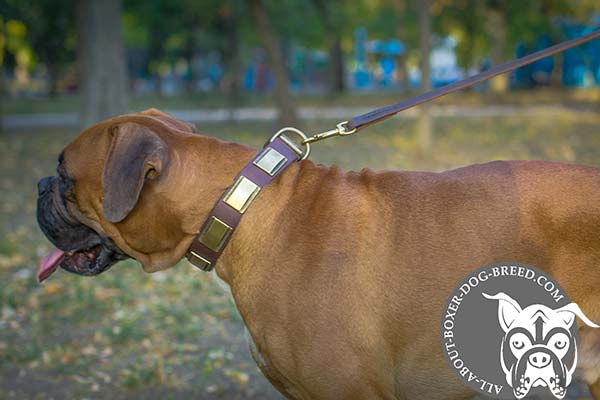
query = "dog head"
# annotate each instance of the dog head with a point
(118, 193)
(538, 348)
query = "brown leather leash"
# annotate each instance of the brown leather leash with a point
(281, 151)
(362, 121)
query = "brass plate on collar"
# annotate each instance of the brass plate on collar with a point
(241, 194)
(215, 234)
(198, 261)
(270, 161)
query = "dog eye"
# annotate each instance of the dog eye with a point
(559, 341)
(65, 183)
(517, 344)
(60, 171)
(560, 344)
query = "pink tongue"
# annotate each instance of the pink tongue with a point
(50, 263)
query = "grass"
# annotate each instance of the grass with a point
(126, 334)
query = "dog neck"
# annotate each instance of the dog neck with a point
(210, 167)
(213, 164)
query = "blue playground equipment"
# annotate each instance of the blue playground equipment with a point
(580, 66)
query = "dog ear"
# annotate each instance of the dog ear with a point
(136, 154)
(570, 311)
(508, 309)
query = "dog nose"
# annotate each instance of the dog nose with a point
(44, 185)
(539, 359)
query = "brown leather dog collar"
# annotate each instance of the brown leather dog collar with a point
(277, 154)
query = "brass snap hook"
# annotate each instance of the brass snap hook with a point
(341, 129)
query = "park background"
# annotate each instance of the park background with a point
(239, 70)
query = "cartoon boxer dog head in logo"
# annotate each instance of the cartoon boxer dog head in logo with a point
(538, 348)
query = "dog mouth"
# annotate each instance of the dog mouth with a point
(527, 377)
(89, 261)
(79, 249)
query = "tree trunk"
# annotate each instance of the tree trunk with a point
(401, 32)
(337, 64)
(424, 123)
(156, 53)
(53, 79)
(188, 54)
(495, 25)
(403, 71)
(103, 73)
(231, 59)
(287, 113)
(556, 77)
(337, 72)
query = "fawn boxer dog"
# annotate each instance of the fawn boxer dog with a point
(341, 278)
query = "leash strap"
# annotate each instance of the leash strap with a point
(362, 121)
(380, 114)
(278, 154)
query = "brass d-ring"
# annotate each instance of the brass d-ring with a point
(298, 148)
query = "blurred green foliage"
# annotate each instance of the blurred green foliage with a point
(173, 30)
(13, 41)
(49, 33)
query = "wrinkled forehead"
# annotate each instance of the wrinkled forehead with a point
(86, 151)
(538, 316)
